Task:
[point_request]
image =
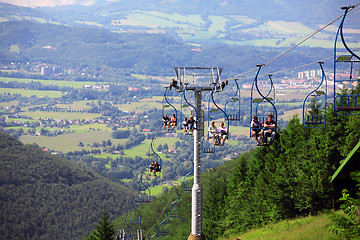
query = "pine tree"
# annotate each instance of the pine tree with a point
(105, 230)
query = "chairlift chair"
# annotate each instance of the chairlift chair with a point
(345, 102)
(262, 101)
(316, 117)
(233, 111)
(167, 105)
(135, 215)
(187, 185)
(144, 192)
(174, 209)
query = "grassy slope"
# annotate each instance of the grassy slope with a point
(313, 227)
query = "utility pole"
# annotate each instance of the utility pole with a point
(197, 79)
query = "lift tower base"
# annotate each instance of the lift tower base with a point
(193, 237)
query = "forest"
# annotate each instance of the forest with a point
(44, 196)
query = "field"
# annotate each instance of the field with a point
(195, 27)
(50, 82)
(69, 141)
(9, 104)
(143, 148)
(29, 93)
(79, 105)
(61, 115)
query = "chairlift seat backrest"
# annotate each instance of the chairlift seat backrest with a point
(209, 150)
(315, 119)
(344, 58)
(233, 117)
(348, 103)
(320, 92)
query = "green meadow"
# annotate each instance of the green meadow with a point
(239, 131)
(69, 141)
(59, 83)
(29, 93)
(148, 20)
(61, 115)
(218, 23)
(175, 17)
(289, 114)
(143, 148)
(139, 106)
(79, 105)
(9, 104)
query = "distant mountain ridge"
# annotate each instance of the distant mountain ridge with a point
(126, 37)
(45, 197)
(305, 11)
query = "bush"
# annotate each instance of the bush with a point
(347, 223)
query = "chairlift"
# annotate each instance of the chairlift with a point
(144, 191)
(169, 113)
(346, 102)
(208, 146)
(316, 116)
(187, 185)
(128, 231)
(263, 104)
(163, 228)
(154, 157)
(233, 105)
(135, 215)
(187, 105)
(174, 209)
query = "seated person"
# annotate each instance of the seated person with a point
(185, 125)
(223, 132)
(173, 122)
(256, 127)
(213, 133)
(166, 121)
(157, 168)
(152, 168)
(191, 123)
(269, 129)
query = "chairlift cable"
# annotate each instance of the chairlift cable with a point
(305, 39)
(159, 218)
(304, 65)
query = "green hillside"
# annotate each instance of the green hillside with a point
(45, 197)
(302, 228)
(287, 180)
